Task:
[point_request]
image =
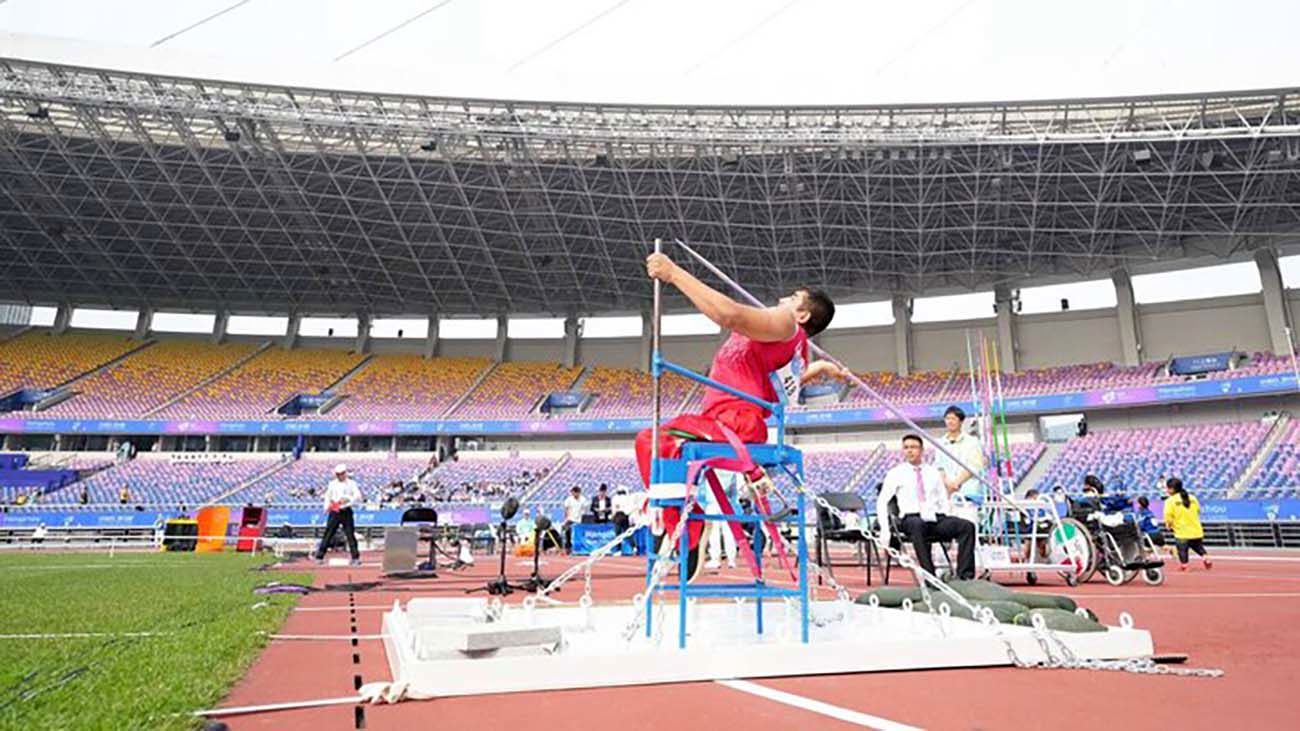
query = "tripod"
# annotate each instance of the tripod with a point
(537, 582)
(501, 586)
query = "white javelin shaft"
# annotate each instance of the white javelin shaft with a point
(654, 351)
(852, 376)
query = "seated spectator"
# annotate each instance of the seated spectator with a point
(924, 507)
(1035, 544)
(1147, 520)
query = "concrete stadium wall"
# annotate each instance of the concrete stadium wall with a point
(862, 349)
(611, 352)
(1203, 326)
(941, 345)
(535, 350)
(1088, 336)
(467, 348)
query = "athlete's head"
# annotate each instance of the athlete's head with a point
(813, 309)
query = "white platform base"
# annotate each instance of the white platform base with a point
(722, 644)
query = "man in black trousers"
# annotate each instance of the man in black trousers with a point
(925, 509)
(340, 496)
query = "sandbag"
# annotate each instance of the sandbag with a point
(983, 591)
(890, 596)
(1045, 601)
(1002, 611)
(1060, 620)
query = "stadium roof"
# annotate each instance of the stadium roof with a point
(133, 188)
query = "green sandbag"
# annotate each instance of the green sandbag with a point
(957, 610)
(1002, 611)
(890, 596)
(1005, 612)
(1060, 620)
(982, 591)
(988, 591)
(1045, 601)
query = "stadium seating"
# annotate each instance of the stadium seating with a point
(149, 378)
(41, 360)
(473, 478)
(589, 473)
(626, 392)
(514, 389)
(158, 481)
(257, 387)
(922, 387)
(406, 387)
(303, 482)
(1207, 457)
(1279, 475)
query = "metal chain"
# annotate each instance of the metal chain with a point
(660, 570)
(585, 566)
(1045, 636)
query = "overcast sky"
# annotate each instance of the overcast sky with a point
(741, 51)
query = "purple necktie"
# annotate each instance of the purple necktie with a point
(926, 513)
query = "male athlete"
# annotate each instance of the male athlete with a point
(763, 341)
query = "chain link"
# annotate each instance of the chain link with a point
(1045, 636)
(1056, 653)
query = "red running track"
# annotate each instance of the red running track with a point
(1237, 617)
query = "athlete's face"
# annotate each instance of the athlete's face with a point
(797, 301)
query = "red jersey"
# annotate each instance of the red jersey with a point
(746, 365)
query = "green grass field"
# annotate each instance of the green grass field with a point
(201, 604)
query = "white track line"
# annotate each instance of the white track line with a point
(344, 608)
(1207, 595)
(78, 635)
(326, 637)
(265, 708)
(825, 709)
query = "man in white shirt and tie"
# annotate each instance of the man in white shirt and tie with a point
(923, 508)
(341, 494)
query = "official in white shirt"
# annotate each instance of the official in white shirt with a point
(341, 494)
(967, 448)
(923, 506)
(574, 507)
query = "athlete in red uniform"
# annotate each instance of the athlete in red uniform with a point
(763, 341)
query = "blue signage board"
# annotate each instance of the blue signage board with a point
(586, 536)
(1194, 364)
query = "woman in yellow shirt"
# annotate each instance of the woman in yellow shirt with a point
(1183, 516)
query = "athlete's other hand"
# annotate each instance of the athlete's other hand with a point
(659, 266)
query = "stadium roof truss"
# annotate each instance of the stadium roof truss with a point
(129, 189)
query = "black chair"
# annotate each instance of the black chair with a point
(425, 521)
(896, 539)
(831, 528)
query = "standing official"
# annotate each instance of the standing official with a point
(341, 494)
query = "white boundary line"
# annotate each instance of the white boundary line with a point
(78, 635)
(1206, 595)
(326, 637)
(813, 706)
(343, 608)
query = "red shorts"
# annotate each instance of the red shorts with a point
(747, 423)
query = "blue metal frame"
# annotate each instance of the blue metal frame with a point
(777, 455)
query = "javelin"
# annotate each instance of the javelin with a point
(827, 356)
